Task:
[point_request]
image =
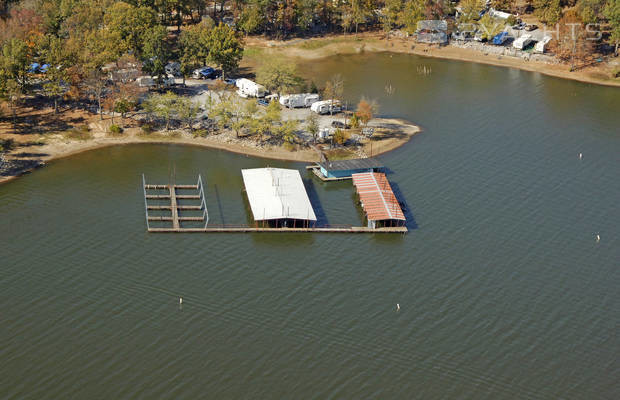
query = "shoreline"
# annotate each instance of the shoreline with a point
(327, 46)
(57, 149)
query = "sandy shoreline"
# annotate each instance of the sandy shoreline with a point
(317, 48)
(57, 147)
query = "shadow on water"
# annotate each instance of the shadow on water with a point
(411, 222)
(219, 204)
(321, 217)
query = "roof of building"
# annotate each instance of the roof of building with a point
(276, 193)
(377, 197)
(344, 165)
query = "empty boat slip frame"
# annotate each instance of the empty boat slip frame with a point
(165, 200)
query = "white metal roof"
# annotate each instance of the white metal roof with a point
(276, 193)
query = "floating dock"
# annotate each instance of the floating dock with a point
(274, 194)
(340, 170)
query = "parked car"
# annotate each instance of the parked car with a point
(340, 125)
(530, 28)
(205, 73)
(263, 102)
(519, 26)
(230, 81)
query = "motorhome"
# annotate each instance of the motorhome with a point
(326, 107)
(247, 88)
(522, 42)
(299, 100)
(541, 46)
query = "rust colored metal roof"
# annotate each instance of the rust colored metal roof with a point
(377, 197)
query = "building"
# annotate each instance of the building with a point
(378, 200)
(344, 169)
(278, 197)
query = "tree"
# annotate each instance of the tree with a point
(573, 45)
(133, 25)
(612, 13)
(287, 131)
(412, 13)
(14, 62)
(187, 110)
(548, 11)
(156, 52)
(590, 10)
(190, 49)
(334, 88)
(471, 9)
(503, 5)
(53, 51)
(278, 76)
(225, 48)
(391, 11)
(163, 106)
(251, 20)
(490, 26)
(365, 111)
(312, 126)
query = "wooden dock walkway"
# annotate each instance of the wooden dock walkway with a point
(249, 229)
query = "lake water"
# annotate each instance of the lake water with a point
(504, 292)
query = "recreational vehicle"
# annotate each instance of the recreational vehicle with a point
(247, 88)
(326, 107)
(299, 100)
(522, 42)
(541, 46)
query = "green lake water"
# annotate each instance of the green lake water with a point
(504, 292)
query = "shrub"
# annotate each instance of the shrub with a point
(201, 133)
(147, 129)
(115, 129)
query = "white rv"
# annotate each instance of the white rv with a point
(299, 100)
(148, 81)
(541, 46)
(247, 88)
(522, 42)
(326, 107)
(145, 81)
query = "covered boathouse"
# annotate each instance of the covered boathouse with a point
(378, 200)
(344, 169)
(278, 197)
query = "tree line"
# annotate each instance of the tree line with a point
(78, 40)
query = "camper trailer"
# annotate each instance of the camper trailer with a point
(522, 42)
(145, 81)
(299, 100)
(541, 46)
(247, 88)
(326, 107)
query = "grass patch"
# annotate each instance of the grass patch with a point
(340, 154)
(78, 133)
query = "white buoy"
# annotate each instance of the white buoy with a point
(598, 238)
(397, 307)
(180, 300)
(580, 156)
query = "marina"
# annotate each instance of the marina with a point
(278, 201)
